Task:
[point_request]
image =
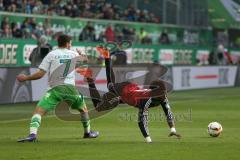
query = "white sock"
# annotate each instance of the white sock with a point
(35, 123)
(148, 139)
(173, 130)
(87, 129)
(33, 130)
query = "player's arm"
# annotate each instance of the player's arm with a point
(143, 119)
(82, 58)
(37, 75)
(43, 68)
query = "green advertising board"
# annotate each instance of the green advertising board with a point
(12, 53)
(15, 53)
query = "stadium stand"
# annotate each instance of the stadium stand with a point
(51, 18)
(99, 9)
(96, 9)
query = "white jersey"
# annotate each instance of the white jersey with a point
(60, 65)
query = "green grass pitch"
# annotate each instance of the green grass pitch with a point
(120, 137)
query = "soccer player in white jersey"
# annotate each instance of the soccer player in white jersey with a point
(60, 65)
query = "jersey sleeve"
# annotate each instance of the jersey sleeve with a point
(45, 65)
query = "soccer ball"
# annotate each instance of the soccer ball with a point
(214, 129)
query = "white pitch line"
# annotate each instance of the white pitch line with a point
(26, 119)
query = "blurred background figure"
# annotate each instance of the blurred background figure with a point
(223, 57)
(38, 53)
(109, 34)
(164, 39)
(88, 33)
(119, 55)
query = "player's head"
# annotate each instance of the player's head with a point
(64, 41)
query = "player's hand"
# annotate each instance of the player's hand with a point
(21, 77)
(84, 57)
(79, 51)
(174, 134)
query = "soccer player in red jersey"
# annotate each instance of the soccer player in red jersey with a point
(131, 94)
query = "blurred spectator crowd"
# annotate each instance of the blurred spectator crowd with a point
(30, 29)
(96, 9)
(118, 34)
(93, 9)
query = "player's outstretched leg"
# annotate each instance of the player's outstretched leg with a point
(143, 118)
(34, 125)
(159, 93)
(86, 124)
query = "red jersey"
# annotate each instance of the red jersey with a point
(132, 94)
